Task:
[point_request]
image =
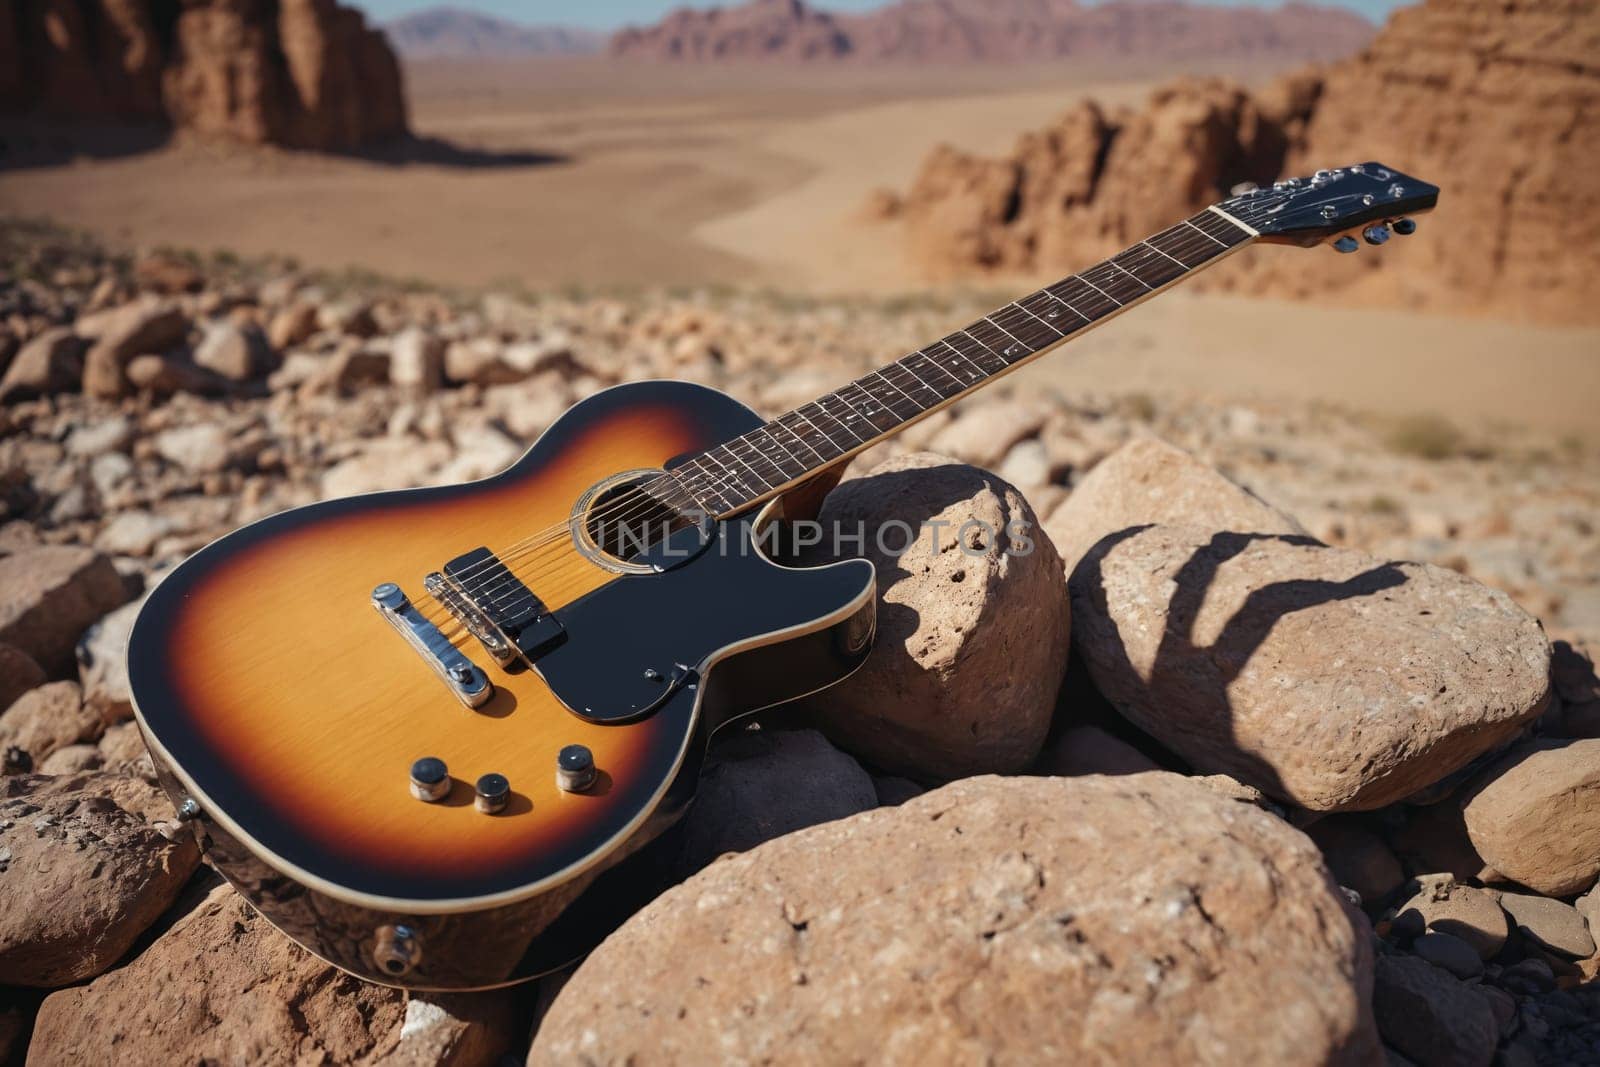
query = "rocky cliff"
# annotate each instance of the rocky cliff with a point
(1495, 102)
(996, 31)
(298, 73)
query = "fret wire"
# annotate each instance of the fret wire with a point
(753, 436)
(960, 385)
(1024, 328)
(881, 376)
(921, 407)
(747, 442)
(985, 347)
(1110, 281)
(1099, 290)
(1046, 291)
(1152, 261)
(1129, 273)
(802, 412)
(726, 446)
(867, 414)
(901, 363)
(779, 423)
(990, 320)
(982, 374)
(890, 402)
(850, 413)
(734, 480)
(1188, 242)
(818, 404)
(1189, 223)
(1174, 259)
(1025, 311)
(983, 350)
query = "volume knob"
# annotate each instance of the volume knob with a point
(575, 769)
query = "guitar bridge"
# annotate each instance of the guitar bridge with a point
(502, 605)
(460, 675)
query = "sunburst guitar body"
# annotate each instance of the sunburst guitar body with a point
(288, 707)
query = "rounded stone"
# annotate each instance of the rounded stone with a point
(1465, 912)
(1326, 677)
(1534, 815)
(972, 622)
(1140, 918)
(1449, 952)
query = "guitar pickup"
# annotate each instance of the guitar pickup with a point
(503, 602)
(460, 675)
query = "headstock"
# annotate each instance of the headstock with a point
(1369, 198)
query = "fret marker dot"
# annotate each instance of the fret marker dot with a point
(1013, 350)
(1053, 313)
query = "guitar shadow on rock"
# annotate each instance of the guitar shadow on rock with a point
(1199, 675)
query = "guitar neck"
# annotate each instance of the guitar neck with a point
(737, 474)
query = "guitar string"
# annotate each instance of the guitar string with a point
(643, 500)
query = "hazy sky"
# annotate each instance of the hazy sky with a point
(608, 14)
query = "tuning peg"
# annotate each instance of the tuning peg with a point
(1375, 235)
(1405, 227)
(1346, 244)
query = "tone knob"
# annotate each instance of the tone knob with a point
(430, 779)
(492, 792)
(1375, 235)
(575, 768)
(1346, 244)
(1405, 227)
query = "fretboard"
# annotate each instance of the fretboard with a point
(737, 474)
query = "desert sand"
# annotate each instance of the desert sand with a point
(596, 174)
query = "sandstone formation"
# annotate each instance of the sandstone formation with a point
(972, 622)
(298, 73)
(83, 879)
(1031, 919)
(1496, 103)
(1329, 679)
(1010, 31)
(1535, 816)
(1149, 481)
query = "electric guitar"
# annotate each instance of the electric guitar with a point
(430, 733)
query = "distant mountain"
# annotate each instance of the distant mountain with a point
(998, 31)
(455, 33)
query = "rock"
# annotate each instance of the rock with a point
(1431, 1017)
(1572, 673)
(1357, 857)
(102, 655)
(108, 435)
(455, 1030)
(485, 361)
(220, 985)
(122, 750)
(1534, 815)
(50, 717)
(237, 353)
(931, 927)
(1328, 678)
(135, 793)
(163, 272)
(761, 784)
(351, 317)
(71, 760)
(416, 361)
(1464, 912)
(1449, 953)
(18, 674)
(293, 325)
(982, 435)
(49, 595)
(1588, 906)
(1550, 924)
(50, 363)
(145, 328)
(1149, 481)
(386, 464)
(972, 638)
(84, 878)
(133, 533)
(480, 452)
(1090, 750)
(169, 374)
(201, 448)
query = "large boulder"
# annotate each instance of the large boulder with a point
(222, 986)
(1534, 815)
(972, 622)
(1328, 678)
(762, 784)
(50, 595)
(1148, 481)
(1132, 919)
(83, 878)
